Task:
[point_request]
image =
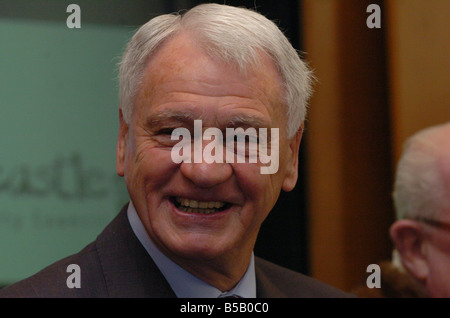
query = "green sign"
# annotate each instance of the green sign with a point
(58, 132)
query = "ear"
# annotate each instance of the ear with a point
(409, 239)
(292, 163)
(121, 145)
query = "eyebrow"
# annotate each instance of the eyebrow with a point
(246, 121)
(187, 119)
(169, 116)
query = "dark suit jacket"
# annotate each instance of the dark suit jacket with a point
(117, 265)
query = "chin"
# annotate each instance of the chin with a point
(202, 248)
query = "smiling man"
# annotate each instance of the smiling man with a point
(190, 227)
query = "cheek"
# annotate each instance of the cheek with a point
(147, 166)
(260, 190)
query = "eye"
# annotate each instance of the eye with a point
(165, 131)
(242, 144)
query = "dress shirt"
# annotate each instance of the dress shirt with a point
(183, 283)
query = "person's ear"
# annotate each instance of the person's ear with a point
(292, 163)
(121, 145)
(409, 240)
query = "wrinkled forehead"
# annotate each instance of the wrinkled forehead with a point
(184, 48)
(182, 64)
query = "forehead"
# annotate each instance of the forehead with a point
(181, 66)
(184, 51)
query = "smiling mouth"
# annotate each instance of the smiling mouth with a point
(202, 207)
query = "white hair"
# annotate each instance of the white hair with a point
(235, 35)
(420, 188)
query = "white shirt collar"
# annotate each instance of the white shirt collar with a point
(183, 283)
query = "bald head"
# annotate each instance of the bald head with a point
(421, 234)
(422, 186)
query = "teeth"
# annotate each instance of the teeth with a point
(195, 206)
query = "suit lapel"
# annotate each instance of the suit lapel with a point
(128, 269)
(265, 288)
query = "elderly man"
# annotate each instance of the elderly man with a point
(421, 234)
(191, 224)
(422, 200)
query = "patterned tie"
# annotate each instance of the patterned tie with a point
(229, 296)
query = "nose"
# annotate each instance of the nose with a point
(206, 175)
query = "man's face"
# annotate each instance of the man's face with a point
(181, 84)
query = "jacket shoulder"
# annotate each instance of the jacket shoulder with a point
(51, 282)
(277, 281)
(114, 265)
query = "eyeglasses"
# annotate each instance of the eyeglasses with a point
(435, 223)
